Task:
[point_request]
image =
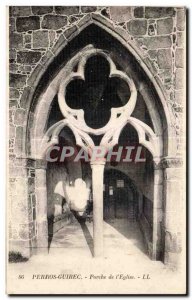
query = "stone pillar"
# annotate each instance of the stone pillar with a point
(41, 195)
(19, 212)
(174, 223)
(157, 212)
(97, 186)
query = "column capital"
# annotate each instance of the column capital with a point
(98, 163)
(157, 163)
(171, 162)
(40, 164)
(168, 162)
(25, 162)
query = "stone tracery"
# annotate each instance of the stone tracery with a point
(120, 116)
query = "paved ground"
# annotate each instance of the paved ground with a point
(122, 270)
(119, 235)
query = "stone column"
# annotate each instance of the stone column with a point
(174, 223)
(157, 212)
(41, 195)
(19, 213)
(97, 186)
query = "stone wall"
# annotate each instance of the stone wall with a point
(34, 32)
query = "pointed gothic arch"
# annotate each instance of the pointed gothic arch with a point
(41, 88)
(30, 96)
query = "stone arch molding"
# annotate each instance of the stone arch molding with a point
(38, 131)
(74, 118)
(40, 139)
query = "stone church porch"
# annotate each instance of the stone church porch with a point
(43, 113)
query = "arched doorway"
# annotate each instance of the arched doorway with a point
(145, 133)
(147, 88)
(119, 88)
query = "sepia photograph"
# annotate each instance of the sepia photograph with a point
(96, 161)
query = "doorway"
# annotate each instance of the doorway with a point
(119, 198)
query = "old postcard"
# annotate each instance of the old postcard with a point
(96, 184)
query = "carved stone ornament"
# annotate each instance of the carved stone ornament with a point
(120, 116)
